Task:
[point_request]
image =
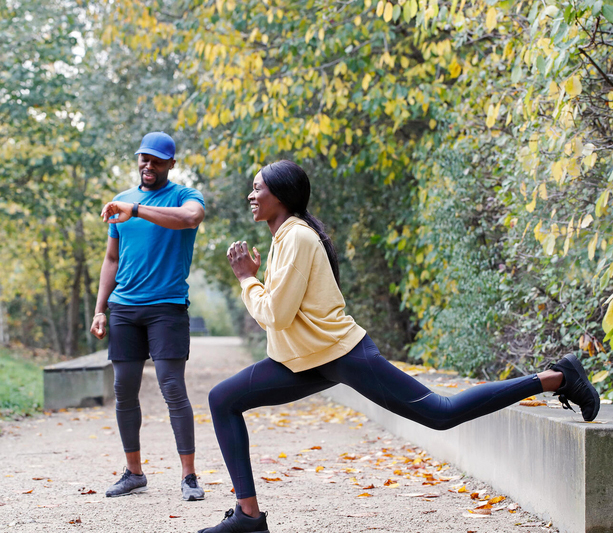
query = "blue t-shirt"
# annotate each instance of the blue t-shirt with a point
(154, 262)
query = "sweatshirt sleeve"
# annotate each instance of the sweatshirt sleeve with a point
(275, 309)
(275, 305)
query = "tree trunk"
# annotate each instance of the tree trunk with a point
(73, 322)
(87, 307)
(51, 312)
(4, 330)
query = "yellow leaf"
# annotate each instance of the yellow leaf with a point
(607, 321)
(549, 244)
(601, 204)
(591, 247)
(432, 124)
(573, 86)
(321, 34)
(380, 8)
(492, 115)
(366, 81)
(282, 456)
(600, 376)
(364, 495)
(543, 191)
(587, 221)
(333, 162)
(455, 69)
(388, 12)
(532, 205)
(490, 20)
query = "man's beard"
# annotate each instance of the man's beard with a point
(159, 180)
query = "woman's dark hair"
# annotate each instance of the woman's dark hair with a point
(290, 184)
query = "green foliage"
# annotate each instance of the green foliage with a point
(21, 386)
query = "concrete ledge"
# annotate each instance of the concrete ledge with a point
(81, 382)
(549, 461)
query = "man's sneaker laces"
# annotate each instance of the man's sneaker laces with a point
(128, 484)
(190, 488)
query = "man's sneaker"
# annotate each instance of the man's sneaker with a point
(236, 521)
(190, 488)
(128, 484)
(576, 387)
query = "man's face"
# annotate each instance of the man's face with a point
(153, 171)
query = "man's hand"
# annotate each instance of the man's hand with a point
(98, 328)
(122, 209)
(241, 261)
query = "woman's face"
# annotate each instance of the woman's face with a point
(265, 206)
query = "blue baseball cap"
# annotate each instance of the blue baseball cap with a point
(159, 144)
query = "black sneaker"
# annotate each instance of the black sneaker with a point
(128, 484)
(236, 521)
(576, 387)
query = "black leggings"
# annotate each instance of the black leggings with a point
(171, 378)
(365, 370)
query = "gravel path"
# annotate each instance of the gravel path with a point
(319, 468)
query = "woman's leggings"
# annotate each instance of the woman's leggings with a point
(171, 378)
(365, 370)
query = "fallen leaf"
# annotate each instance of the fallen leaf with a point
(28, 491)
(215, 482)
(282, 456)
(497, 499)
(480, 511)
(370, 487)
(297, 468)
(462, 489)
(174, 516)
(532, 403)
(319, 468)
(315, 448)
(38, 478)
(271, 479)
(364, 495)
(487, 505)
(89, 492)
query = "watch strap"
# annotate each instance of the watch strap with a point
(135, 209)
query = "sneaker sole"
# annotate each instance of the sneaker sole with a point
(193, 498)
(133, 491)
(579, 368)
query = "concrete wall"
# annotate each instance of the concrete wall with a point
(548, 460)
(82, 382)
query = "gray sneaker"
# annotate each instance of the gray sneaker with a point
(190, 489)
(128, 484)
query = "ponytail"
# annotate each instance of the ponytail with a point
(318, 226)
(290, 184)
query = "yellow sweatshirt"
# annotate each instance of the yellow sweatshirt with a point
(300, 305)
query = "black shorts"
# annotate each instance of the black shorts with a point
(159, 330)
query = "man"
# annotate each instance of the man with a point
(151, 236)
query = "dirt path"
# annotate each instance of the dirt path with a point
(326, 469)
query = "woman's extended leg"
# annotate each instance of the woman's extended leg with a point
(366, 371)
(264, 383)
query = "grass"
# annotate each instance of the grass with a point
(21, 386)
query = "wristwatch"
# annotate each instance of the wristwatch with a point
(135, 209)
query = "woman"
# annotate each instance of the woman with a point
(313, 344)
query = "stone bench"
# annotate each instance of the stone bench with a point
(548, 460)
(85, 381)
